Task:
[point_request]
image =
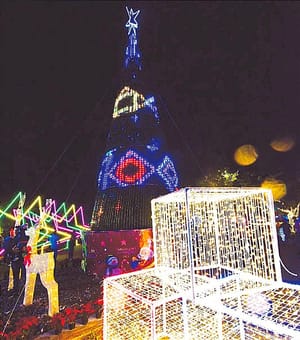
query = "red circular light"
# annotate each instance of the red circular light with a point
(130, 170)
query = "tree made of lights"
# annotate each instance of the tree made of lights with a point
(135, 167)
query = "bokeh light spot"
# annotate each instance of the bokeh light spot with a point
(278, 187)
(282, 144)
(245, 155)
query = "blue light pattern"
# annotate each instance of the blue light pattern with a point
(132, 51)
(132, 24)
(104, 173)
(150, 102)
(167, 171)
(153, 145)
(163, 170)
(135, 118)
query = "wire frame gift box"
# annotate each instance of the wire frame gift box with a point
(216, 231)
(217, 272)
(142, 305)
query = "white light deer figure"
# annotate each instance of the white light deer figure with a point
(42, 264)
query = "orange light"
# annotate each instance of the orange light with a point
(245, 155)
(282, 144)
(278, 187)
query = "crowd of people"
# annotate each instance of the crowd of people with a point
(14, 246)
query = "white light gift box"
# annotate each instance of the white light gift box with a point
(140, 306)
(145, 306)
(217, 273)
(216, 232)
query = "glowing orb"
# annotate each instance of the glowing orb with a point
(282, 144)
(245, 155)
(278, 187)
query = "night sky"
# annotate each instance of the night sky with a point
(223, 73)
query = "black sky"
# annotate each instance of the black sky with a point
(225, 74)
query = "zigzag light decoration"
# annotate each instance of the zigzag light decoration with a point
(63, 219)
(14, 202)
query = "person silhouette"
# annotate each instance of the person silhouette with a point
(53, 239)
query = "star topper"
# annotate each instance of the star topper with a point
(132, 23)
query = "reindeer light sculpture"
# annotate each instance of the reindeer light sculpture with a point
(42, 264)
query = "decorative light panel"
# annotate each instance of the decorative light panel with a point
(167, 171)
(130, 101)
(131, 169)
(127, 102)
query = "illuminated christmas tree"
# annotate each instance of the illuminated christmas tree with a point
(135, 167)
